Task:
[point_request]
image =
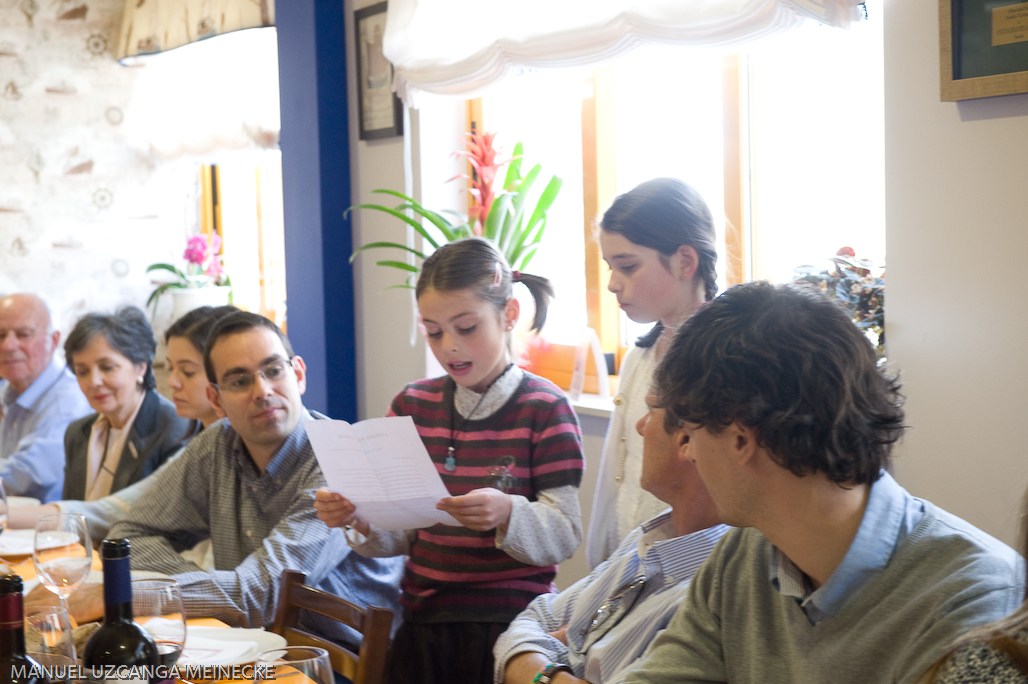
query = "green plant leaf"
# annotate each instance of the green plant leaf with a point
(546, 200)
(158, 291)
(529, 253)
(516, 234)
(403, 217)
(533, 231)
(405, 286)
(166, 267)
(444, 226)
(231, 290)
(514, 168)
(377, 245)
(403, 265)
(497, 214)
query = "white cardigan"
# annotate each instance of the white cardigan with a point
(621, 506)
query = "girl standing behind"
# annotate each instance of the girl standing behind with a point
(658, 240)
(506, 444)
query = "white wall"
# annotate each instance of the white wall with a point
(385, 359)
(957, 235)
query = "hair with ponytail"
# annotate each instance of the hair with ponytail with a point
(475, 264)
(664, 214)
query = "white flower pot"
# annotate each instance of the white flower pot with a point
(189, 298)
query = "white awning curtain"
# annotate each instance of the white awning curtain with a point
(160, 25)
(458, 47)
(209, 99)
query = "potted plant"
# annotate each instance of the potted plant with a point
(505, 216)
(204, 281)
(853, 282)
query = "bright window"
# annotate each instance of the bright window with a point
(808, 170)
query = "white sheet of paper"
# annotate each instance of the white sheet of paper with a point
(382, 466)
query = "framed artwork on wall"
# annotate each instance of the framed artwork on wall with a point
(983, 48)
(380, 112)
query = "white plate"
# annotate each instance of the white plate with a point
(19, 542)
(14, 501)
(265, 641)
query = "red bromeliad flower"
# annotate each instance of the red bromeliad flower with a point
(482, 156)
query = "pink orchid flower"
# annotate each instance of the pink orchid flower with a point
(216, 268)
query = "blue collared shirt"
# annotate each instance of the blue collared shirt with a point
(653, 551)
(891, 515)
(32, 432)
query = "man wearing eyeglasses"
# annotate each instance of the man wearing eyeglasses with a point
(247, 483)
(834, 573)
(594, 630)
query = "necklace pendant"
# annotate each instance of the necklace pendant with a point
(451, 461)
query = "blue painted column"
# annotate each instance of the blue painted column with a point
(316, 191)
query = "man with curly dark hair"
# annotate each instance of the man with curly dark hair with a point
(836, 574)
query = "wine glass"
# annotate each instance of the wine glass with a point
(3, 511)
(291, 664)
(3, 508)
(62, 553)
(157, 605)
(50, 642)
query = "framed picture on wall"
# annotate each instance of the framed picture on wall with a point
(379, 110)
(983, 48)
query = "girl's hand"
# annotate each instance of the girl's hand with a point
(335, 510)
(481, 509)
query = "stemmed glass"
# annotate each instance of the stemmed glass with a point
(291, 664)
(50, 641)
(3, 508)
(157, 605)
(62, 553)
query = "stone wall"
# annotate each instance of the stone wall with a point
(84, 209)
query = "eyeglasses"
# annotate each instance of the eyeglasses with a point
(611, 611)
(241, 382)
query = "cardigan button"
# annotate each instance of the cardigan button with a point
(618, 400)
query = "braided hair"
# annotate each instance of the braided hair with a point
(664, 214)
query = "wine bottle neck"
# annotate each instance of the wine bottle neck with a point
(118, 612)
(117, 589)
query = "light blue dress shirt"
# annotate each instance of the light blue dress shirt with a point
(652, 551)
(32, 432)
(890, 516)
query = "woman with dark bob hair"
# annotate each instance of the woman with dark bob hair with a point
(134, 429)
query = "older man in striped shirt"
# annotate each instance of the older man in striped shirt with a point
(598, 627)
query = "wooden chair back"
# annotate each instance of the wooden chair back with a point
(367, 666)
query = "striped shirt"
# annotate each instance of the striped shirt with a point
(532, 443)
(259, 524)
(652, 551)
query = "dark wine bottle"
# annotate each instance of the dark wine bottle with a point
(120, 640)
(15, 666)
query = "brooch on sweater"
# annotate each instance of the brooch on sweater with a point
(505, 480)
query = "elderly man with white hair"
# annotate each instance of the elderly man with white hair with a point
(37, 402)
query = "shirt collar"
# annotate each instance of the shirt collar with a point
(285, 460)
(678, 556)
(885, 524)
(41, 384)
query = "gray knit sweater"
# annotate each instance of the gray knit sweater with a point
(946, 577)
